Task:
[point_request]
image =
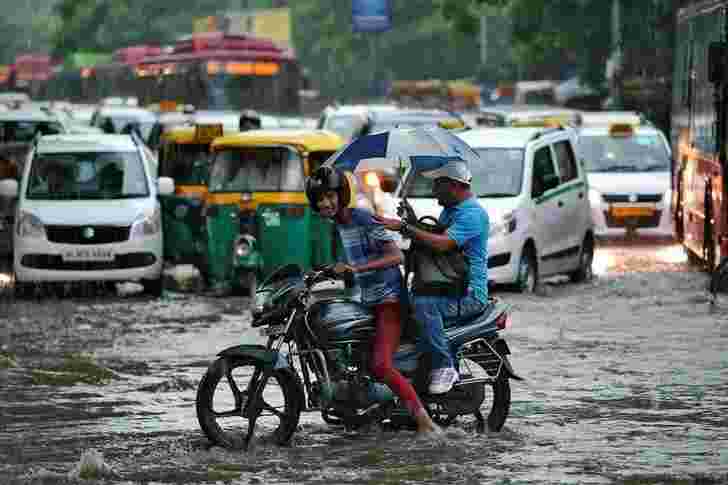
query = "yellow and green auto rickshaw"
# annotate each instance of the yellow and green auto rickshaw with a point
(256, 216)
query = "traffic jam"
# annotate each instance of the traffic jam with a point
(210, 275)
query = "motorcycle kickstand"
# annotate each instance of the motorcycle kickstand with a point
(480, 420)
(253, 410)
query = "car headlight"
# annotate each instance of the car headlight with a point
(244, 246)
(146, 225)
(504, 226)
(595, 197)
(30, 226)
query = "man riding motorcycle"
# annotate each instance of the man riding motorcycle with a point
(467, 232)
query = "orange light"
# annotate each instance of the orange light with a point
(214, 67)
(266, 68)
(621, 129)
(167, 106)
(86, 72)
(239, 68)
(371, 179)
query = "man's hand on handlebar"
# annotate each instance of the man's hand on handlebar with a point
(342, 269)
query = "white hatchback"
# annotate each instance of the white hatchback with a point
(535, 193)
(628, 166)
(87, 210)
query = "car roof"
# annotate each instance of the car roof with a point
(91, 142)
(502, 137)
(311, 140)
(604, 130)
(27, 115)
(127, 111)
(352, 109)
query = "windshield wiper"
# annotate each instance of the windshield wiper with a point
(657, 167)
(498, 194)
(616, 168)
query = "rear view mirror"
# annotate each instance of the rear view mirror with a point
(9, 188)
(717, 54)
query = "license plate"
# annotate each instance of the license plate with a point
(88, 254)
(632, 211)
(272, 330)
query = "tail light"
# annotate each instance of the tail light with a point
(295, 211)
(502, 322)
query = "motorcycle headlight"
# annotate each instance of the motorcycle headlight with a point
(145, 226)
(30, 226)
(595, 197)
(244, 245)
(504, 226)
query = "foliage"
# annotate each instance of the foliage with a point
(420, 45)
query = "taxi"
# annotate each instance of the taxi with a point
(627, 160)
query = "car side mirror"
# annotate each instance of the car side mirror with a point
(165, 185)
(9, 188)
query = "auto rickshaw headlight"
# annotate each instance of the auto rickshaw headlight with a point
(146, 225)
(244, 246)
(30, 226)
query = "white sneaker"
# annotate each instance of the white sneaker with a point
(442, 380)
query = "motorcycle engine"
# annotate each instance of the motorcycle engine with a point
(360, 393)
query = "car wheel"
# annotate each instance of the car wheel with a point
(527, 279)
(586, 258)
(153, 287)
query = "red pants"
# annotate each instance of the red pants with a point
(386, 342)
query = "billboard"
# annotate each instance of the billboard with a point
(272, 23)
(371, 15)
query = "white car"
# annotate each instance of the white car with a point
(628, 166)
(536, 196)
(87, 210)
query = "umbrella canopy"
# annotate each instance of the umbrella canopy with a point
(424, 148)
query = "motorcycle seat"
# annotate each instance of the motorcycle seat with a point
(463, 322)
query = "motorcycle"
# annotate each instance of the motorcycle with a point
(316, 359)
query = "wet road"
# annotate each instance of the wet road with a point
(627, 380)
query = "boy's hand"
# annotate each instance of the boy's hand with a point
(342, 268)
(389, 223)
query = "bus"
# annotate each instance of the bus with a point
(699, 132)
(217, 71)
(30, 73)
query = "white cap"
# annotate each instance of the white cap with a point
(454, 169)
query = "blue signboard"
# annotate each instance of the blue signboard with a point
(371, 15)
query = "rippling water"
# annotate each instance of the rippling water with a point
(626, 379)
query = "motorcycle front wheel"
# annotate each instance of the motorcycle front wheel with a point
(222, 399)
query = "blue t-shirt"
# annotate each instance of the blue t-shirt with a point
(468, 226)
(363, 241)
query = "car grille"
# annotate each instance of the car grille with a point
(625, 198)
(56, 262)
(76, 234)
(635, 221)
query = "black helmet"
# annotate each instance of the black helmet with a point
(325, 179)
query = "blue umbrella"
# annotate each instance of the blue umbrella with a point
(425, 148)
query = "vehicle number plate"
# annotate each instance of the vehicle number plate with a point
(272, 330)
(88, 254)
(632, 211)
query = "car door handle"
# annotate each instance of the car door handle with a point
(561, 203)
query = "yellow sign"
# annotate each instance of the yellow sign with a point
(207, 133)
(167, 106)
(632, 211)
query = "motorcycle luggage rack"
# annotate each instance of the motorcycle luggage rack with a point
(480, 351)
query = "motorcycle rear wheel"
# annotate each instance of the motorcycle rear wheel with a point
(498, 399)
(225, 422)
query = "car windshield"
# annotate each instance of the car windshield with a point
(498, 174)
(185, 163)
(25, 131)
(87, 176)
(408, 122)
(639, 153)
(259, 169)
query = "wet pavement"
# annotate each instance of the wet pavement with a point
(626, 382)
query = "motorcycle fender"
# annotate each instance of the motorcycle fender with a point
(269, 358)
(502, 348)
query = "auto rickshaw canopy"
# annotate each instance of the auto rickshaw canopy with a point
(303, 140)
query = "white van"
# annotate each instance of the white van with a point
(87, 210)
(536, 194)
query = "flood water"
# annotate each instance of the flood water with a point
(626, 382)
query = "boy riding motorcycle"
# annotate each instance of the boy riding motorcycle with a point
(374, 258)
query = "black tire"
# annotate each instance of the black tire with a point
(501, 404)
(153, 287)
(231, 432)
(527, 280)
(586, 258)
